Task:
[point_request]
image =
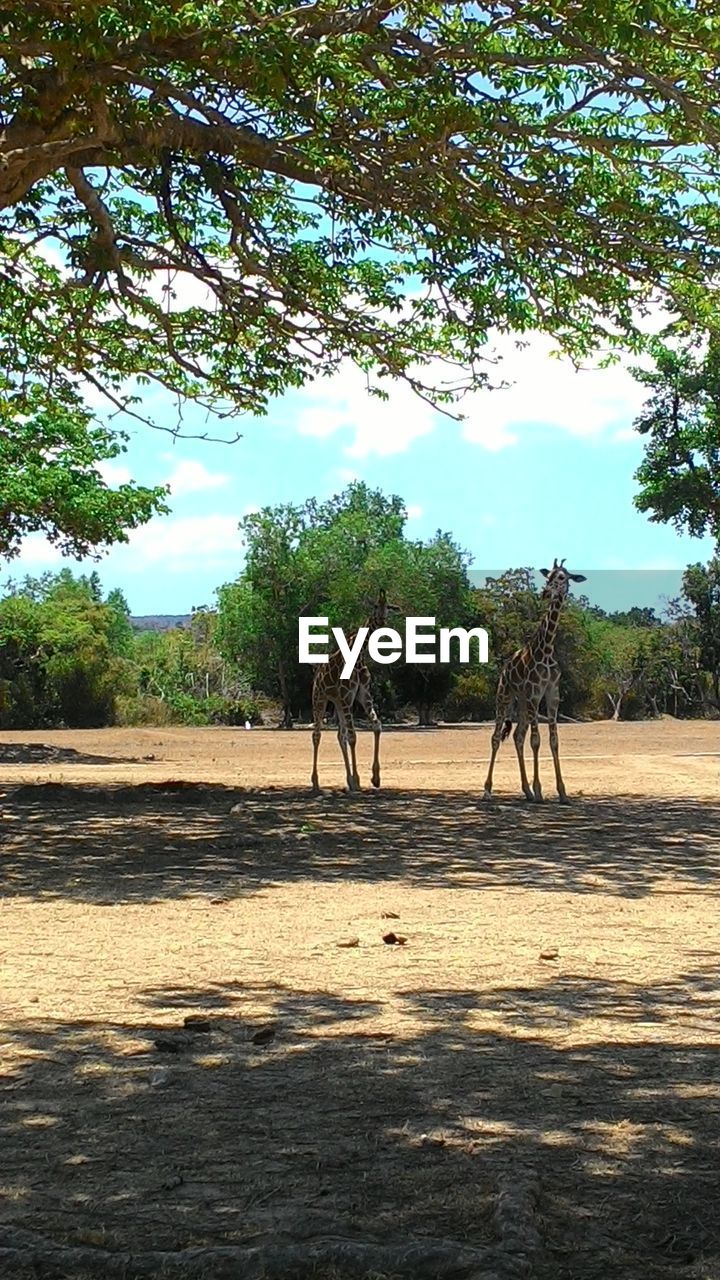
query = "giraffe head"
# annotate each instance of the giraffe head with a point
(381, 608)
(557, 581)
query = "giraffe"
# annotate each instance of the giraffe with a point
(329, 687)
(531, 674)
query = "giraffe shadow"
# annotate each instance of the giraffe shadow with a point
(163, 841)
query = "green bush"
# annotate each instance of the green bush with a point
(184, 709)
(472, 696)
(143, 709)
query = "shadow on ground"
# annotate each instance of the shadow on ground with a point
(150, 1135)
(41, 753)
(152, 841)
(332, 1130)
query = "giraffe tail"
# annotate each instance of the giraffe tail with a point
(506, 730)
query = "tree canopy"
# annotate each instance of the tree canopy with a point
(63, 652)
(701, 591)
(51, 479)
(330, 559)
(227, 199)
(680, 474)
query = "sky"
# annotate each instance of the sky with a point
(541, 469)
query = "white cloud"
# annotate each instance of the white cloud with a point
(94, 398)
(624, 434)
(37, 552)
(544, 390)
(188, 542)
(414, 512)
(179, 545)
(182, 290)
(547, 390)
(382, 427)
(190, 476)
(492, 436)
(114, 473)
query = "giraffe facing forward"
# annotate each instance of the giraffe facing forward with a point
(530, 675)
(328, 686)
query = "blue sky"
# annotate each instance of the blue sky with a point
(543, 468)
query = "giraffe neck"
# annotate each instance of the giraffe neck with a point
(544, 637)
(373, 623)
(351, 637)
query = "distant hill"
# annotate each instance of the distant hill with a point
(160, 621)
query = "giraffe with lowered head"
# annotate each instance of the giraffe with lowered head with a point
(530, 675)
(328, 686)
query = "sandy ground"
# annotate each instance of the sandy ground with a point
(665, 758)
(400, 1082)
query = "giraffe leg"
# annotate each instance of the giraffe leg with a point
(502, 712)
(494, 748)
(319, 708)
(552, 702)
(364, 697)
(521, 729)
(535, 744)
(347, 738)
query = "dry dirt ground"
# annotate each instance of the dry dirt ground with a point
(403, 1084)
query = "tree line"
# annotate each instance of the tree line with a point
(69, 654)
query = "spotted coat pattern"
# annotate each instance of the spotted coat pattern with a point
(328, 686)
(531, 674)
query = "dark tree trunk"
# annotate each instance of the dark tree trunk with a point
(287, 717)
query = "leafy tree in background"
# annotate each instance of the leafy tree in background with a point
(616, 650)
(578, 662)
(701, 590)
(635, 617)
(183, 678)
(680, 474)
(509, 607)
(430, 581)
(667, 668)
(472, 696)
(349, 550)
(331, 560)
(24, 698)
(61, 659)
(228, 200)
(120, 631)
(258, 614)
(313, 559)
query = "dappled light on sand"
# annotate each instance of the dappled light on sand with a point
(193, 1054)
